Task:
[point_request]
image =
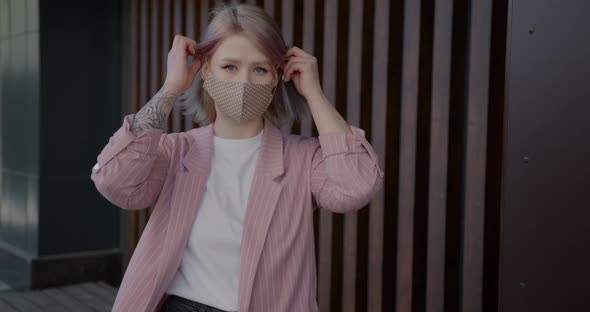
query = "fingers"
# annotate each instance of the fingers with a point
(296, 55)
(300, 59)
(296, 51)
(297, 63)
(194, 44)
(191, 45)
(187, 47)
(292, 59)
(186, 44)
(291, 68)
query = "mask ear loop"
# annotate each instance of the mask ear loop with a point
(202, 74)
(204, 61)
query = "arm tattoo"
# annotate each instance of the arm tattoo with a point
(154, 114)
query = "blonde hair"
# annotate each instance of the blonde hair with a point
(228, 19)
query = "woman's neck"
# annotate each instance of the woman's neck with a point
(226, 128)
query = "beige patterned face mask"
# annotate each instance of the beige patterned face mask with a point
(240, 101)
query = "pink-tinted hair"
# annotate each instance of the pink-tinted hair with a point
(253, 22)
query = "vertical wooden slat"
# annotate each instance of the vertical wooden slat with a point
(217, 3)
(145, 92)
(287, 29)
(155, 44)
(313, 30)
(309, 46)
(407, 164)
(341, 104)
(192, 31)
(132, 233)
(363, 216)
(353, 94)
(144, 53)
(377, 137)
(456, 157)
(329, 87)
(441, 72)
(133, 103)
(269, 7)
(204, 16)
(177, 28)
(496, 176)
(166, 44)
(475, 164)
(191, 17)
(155, 70)
(298, 41)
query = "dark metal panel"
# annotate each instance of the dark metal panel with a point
(545, 217)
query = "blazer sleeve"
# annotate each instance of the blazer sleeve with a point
(131, 170)
(345, 172)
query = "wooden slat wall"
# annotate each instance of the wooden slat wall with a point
(415, 76)
(441, 67)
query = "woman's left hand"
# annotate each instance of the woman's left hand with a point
(302, 68)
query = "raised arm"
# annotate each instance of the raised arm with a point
(155, 113)
(133, 166)
(345, 172)
(178, 78)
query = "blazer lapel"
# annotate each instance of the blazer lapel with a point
(262, 201)
(188, 191)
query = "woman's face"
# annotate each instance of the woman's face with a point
(238, 59)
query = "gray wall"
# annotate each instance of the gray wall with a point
(20, 130)
(59, 103)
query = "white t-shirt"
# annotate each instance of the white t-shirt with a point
(209, 270)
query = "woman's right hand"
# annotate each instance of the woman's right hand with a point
(179, 75)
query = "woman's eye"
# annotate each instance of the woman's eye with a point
(262, 70)
(229, 67)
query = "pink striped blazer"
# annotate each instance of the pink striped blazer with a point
(336, 171)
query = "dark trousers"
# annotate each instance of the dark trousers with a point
(179, 304)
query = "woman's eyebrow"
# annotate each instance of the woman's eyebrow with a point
(237, 61)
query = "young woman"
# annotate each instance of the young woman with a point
(232, 221)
